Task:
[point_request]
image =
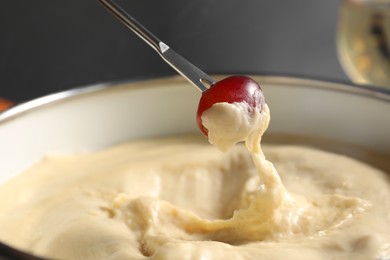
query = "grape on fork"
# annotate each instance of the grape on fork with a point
(231, 89)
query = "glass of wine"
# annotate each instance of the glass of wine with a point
(363, 41)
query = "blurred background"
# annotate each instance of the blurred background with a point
(50, 46)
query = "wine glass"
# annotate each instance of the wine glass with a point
(363, 41)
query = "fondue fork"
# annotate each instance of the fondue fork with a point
(189, 71)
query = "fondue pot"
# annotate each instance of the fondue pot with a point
(342, 118)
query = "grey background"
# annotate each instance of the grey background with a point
(51, 45)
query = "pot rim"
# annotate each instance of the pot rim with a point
(374, 92)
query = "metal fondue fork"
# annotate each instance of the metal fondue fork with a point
(189, 71)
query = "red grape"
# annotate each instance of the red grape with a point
(230, 90)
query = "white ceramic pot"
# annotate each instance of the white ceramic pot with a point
(98, 116)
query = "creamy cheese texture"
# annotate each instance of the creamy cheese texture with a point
(181, 198)
(230, 123)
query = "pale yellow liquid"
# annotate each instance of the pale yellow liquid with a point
(364, 41)
(180, 198)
